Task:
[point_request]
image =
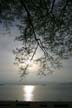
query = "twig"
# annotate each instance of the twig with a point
(52, 5)
(64, 7)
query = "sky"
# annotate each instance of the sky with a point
(9, 72)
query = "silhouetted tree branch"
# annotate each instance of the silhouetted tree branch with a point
(53, 2)
(46, 24)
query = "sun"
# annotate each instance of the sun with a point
(29, 62)
(32, 66)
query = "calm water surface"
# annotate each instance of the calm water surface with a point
(52, 92)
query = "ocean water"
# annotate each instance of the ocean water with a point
(50, 92)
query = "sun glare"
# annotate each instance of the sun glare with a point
(33, 67)
(28, 62)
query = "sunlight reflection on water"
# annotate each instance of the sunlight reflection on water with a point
(28, 92)
(57, 92)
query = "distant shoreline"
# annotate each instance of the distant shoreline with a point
(35, 84)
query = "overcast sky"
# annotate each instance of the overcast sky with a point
(9, 72)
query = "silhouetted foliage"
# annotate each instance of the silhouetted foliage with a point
(44, 24)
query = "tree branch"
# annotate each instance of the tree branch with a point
(52, 5)
(39, 43)
(30, 60)
(30, 21)
(64, 7)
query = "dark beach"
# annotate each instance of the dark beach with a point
(23, 104)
